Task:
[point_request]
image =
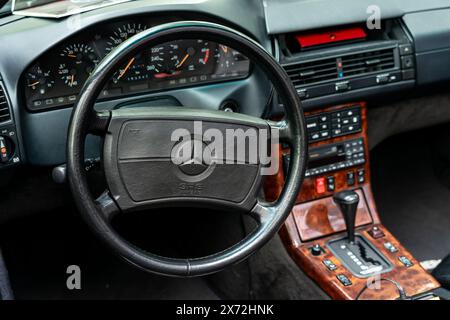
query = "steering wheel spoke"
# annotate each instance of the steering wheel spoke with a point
(107, 206)
(263, 212)
(282, 128)
(99, 122)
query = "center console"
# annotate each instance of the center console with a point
(334, 232)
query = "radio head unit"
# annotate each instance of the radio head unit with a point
(332, 157)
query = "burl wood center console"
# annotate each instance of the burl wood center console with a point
(339, 160)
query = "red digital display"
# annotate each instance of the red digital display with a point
(331, 36)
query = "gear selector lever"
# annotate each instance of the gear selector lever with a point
(348, 203)
(355, 252)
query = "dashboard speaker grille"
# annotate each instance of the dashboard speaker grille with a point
(5, 113)
(340, 67)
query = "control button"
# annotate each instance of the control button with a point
(344, 280)
(314, 136)
(330, 184)
(390, 247)
(324, 134)
(317, 250)
(383, 78)
(346, 121)
(303, 93)
(407, 62)
(337, 132)
(323, 118)
(61, 100)
(405, 261)
(312, 124)
(350, 178)
(350, 113)
(330, 265)
(323, 126)
(49, 102)
(320, 185)
(5, 151)
(37, 103)
(342, 86)
(336, 122)
(405, 49)
(361, 176)
(376, 233)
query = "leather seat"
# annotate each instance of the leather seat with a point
(442, 273)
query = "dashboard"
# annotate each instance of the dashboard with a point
(55, 79)
(45, 62)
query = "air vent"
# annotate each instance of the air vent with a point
(5, 114)
(373, 61)
(312, 72)
(338, 68)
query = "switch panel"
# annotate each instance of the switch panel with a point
(334, 124)
(9, 153)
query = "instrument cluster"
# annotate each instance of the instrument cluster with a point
(56, 78)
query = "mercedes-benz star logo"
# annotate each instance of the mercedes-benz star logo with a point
(193, 167)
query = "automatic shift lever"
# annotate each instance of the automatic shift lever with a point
(348, 203)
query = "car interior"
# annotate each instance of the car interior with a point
(355, 92)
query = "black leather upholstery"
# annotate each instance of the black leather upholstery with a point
(442, 273)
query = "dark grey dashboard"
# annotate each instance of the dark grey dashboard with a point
(41, 133)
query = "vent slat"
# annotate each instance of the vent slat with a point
(368, 62)
(5, 114)
(326, 70)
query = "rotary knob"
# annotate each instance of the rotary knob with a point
(6, 149)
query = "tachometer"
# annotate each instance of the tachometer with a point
(78, 63)
(185, 57)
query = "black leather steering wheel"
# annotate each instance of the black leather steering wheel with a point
(138, 145)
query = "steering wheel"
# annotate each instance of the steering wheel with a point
(138, 155)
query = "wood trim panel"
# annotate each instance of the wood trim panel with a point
(322, 217)
(415, 280)
(316, 220)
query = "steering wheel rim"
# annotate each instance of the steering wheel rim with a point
(269, 217)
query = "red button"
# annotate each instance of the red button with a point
(320, 185)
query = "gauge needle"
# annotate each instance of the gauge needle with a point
(72, 78)
(125, 69)
(224, 48)
(71, 55)
(183, 61)
(33, 84)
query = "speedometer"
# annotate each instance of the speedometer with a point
(122, 34)
(135, 68)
